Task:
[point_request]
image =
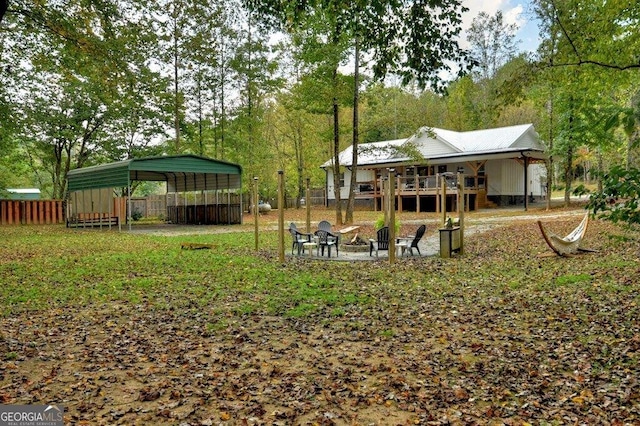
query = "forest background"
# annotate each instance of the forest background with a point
(287, 85)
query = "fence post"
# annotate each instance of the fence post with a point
(280, 215)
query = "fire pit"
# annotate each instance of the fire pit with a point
(355, 244)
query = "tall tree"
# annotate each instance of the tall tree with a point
(584, 43)
(493, 43)
(418, 51)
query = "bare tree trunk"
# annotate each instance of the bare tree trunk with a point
(176, 106)
(568, 166)
(600, 170)
(297, 144)
(4, 5)
(550, 171)
(336, 152)
(354, 144)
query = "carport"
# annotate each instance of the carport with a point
(200, 190)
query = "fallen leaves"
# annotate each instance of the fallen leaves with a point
(496, 337)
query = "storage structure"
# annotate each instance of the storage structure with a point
(200, 190)
(449, 241)
(500, 166)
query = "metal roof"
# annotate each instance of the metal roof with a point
(374, 152)
(181, 172)
(439, 144)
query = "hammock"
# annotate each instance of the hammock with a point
(569, 244)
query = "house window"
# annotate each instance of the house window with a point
(342, 180)
(442, 168)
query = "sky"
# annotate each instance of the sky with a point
(514, 11)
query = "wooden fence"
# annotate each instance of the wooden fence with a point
(31, 212)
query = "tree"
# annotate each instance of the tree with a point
(601, 34)
(493, 43)
(619, 200)
(87, 71)
(588, 50)
(4, 5)
(402, 37)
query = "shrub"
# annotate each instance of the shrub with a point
(379, 223)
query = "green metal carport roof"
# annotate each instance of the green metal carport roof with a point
(181, 172)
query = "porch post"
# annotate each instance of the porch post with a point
(399, 193)
(526, 183)
(416, 182)
(392, 218)
(443, 199)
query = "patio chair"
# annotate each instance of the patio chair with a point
(299, 238)
(326, 226)
(328, 240)
(414, 242)
(381, 242)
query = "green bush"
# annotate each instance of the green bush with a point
(379, 223)
(619, 200)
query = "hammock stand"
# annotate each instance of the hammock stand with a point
(564, 246)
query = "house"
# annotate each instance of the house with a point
(501, 166)
(23, 194)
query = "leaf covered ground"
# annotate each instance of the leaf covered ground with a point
(130, 329)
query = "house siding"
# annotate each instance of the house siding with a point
(501, 150)
(429, 147)
(512, 179)
(361, 176)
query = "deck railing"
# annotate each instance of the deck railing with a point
(425, 184)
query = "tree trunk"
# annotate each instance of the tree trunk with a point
(176, 106)
(297, 143)
(600, 170)
(550, 160)
(336, 151)
(568, 178)
(354, 144)
(4, 5)
(568, 166)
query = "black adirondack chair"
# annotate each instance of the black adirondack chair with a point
(381, 242)
(416, 240)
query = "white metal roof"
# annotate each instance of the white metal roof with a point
(24, 190)
(434, 143)
(370, 153)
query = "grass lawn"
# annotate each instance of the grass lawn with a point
(128, 328)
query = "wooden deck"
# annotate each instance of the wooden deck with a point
(427, 195)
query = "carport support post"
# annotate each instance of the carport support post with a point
(255, 208)
(307, 204)
(129, 202)
(280, 215)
